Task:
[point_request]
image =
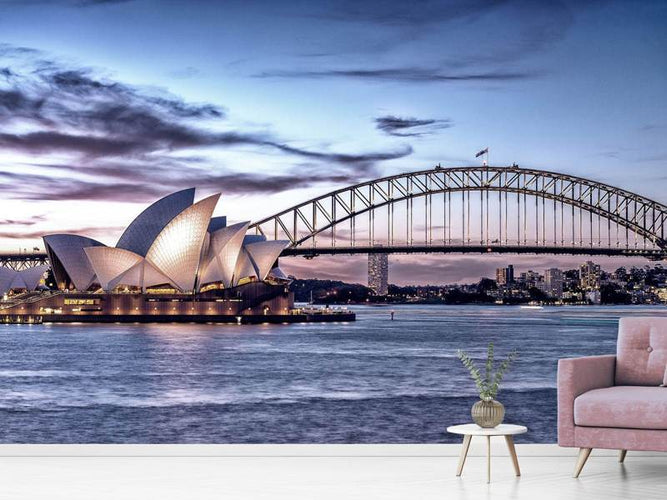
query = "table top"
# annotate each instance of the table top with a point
(476, 430)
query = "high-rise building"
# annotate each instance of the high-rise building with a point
(500, 275)
(378, 273)
(505, 275)
(589, 276)
(530, 279)
(553, 282)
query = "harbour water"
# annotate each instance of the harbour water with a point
(369, 381)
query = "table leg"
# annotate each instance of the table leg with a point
(488, 459)
(464, 453)
(510, 446)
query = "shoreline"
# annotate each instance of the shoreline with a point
(29, 319)
(482, 304)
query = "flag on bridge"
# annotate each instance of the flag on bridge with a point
(482, 152)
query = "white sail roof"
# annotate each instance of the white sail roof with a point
(25, 279)
(278, 273)
(223, 252)
(172, 242)
(31, 276)
(264, 254)
(67, 250)
(244, 267)
(7, 275)
(110, 262)
(142, 231)
(176, 251)
(142, 274)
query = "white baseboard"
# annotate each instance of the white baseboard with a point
(290, 450)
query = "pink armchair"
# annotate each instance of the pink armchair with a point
(617, 402)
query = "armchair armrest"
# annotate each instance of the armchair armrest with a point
(576, 376)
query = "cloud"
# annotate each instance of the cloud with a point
(76, 113)
(660, 157)
(634, 154)
(410, 127)
(402, 14)
(108, 118)
(528, 26)
(46, 142)
(93, 232)
(652, 127)
(123, 136)
(65, 3)
(360, 160)
(31, 221)
(90, 3)
(136, 183)
(45, 187)
(402, 74)
(433, 41)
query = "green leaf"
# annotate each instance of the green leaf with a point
(488, 386)
(489, 362)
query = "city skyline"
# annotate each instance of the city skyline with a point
(270, 118)
(586, 284)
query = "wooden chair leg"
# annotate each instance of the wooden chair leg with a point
(584, 453)
(621, 455)
(464, 453)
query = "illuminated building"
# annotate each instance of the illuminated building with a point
(174, 244)
(589, 276)
(378, 273)
(553, 282)
(174, 262)
(505, 275)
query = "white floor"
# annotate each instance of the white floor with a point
(321, 472)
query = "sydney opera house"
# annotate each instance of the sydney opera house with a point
(174, 262)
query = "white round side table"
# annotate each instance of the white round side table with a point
(470, 430)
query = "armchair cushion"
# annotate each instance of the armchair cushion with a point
(629, 407)
(641, 355)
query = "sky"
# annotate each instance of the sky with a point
(107, 105)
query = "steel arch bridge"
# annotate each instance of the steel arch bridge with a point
(474, 209)
(21, 261)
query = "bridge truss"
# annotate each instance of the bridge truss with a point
(464, 210)
(474, 209)
(21, 261)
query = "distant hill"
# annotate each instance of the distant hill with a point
(339, 292)
(329, 291)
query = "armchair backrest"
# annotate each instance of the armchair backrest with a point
(641, 351)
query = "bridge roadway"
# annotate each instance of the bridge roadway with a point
(310, 252)
(20, 261)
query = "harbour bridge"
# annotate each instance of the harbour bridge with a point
(478, 209)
